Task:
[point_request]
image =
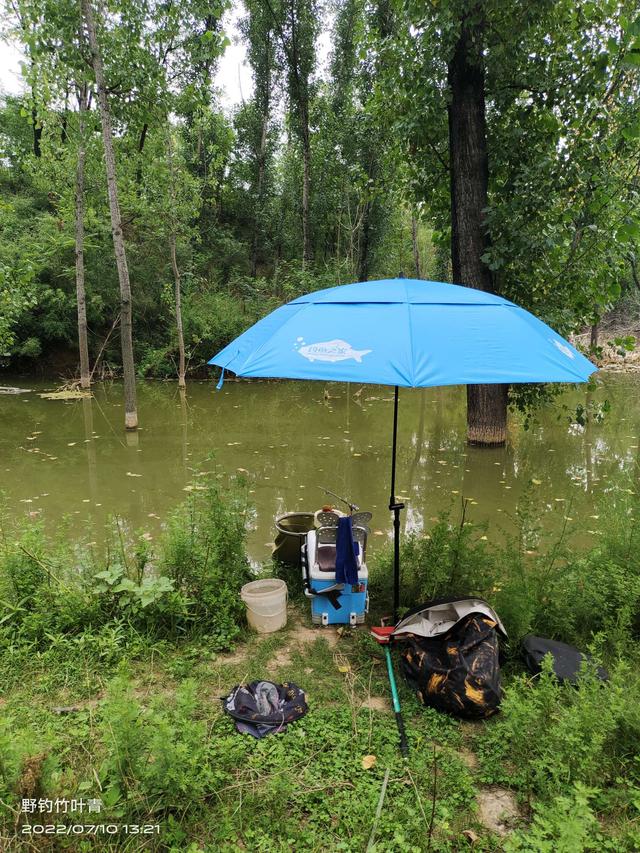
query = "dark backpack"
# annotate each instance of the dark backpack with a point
(457, 671)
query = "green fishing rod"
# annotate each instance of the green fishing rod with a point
(383, 637)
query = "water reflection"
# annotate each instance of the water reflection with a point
(290, 438)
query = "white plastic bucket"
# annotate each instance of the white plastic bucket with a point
(266, 602)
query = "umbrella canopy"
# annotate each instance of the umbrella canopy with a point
(403, 332)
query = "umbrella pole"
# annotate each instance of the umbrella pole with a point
(395, 508)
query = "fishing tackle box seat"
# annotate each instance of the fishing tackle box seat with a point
(331, 603)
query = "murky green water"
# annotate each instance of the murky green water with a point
(74, 458)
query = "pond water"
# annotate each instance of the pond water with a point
(74, 459)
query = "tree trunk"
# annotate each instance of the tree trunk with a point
(174, 265)
(307, 245)
(416, 250)
(141, 141)
(262, 156)
(487, 414)
(83, 346)
(178, 302)
(595, 336)
(35, 122)
(126, 339)
(37, 132)
(634, 270)
(363, 243)
(486, 404)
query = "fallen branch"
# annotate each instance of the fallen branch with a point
(102, 348)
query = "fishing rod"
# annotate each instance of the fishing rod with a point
(351, 506)
(383, 637)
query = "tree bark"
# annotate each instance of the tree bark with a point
(416, 250)
(302, 98)
(83, 345)
(126, 338)
(174, 266)
(634, 270)
(363, 242)
(262, 162)
(178, 305)
(486, 404)
(37, 132)
(307, 244)
(260, 181)
(299, 94)
(35, 122)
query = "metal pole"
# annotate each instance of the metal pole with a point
(395, 508)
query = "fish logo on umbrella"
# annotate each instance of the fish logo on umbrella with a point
(336, 350)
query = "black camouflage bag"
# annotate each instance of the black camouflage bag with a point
(450, 655)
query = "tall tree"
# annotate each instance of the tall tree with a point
(259, 33)
(177, 283)
(469, 169)
(81, 298)
(126, 337)
(296, 23)
(474, 82)
(381, 23)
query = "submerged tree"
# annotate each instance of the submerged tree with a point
(469, 170)
(81, 297)
(126, 320)
(520, 127)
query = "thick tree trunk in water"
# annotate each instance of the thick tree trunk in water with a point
(486, 404)
(83, 346)
(178, 303)
(487, 414)
(126, 340)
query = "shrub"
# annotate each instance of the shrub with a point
(566, 825)
(204, 556)
(550, 735)
(451, 560)
(158, 754)
(60, 596)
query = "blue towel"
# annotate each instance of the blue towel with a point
(346, 554)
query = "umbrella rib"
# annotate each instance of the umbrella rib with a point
(410, 325)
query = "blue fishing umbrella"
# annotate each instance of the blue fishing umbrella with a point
(403, 332)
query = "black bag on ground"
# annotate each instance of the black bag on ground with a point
(450, 655)
(567, 660)
(262, 707)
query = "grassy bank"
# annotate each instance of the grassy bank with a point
(112, 669)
